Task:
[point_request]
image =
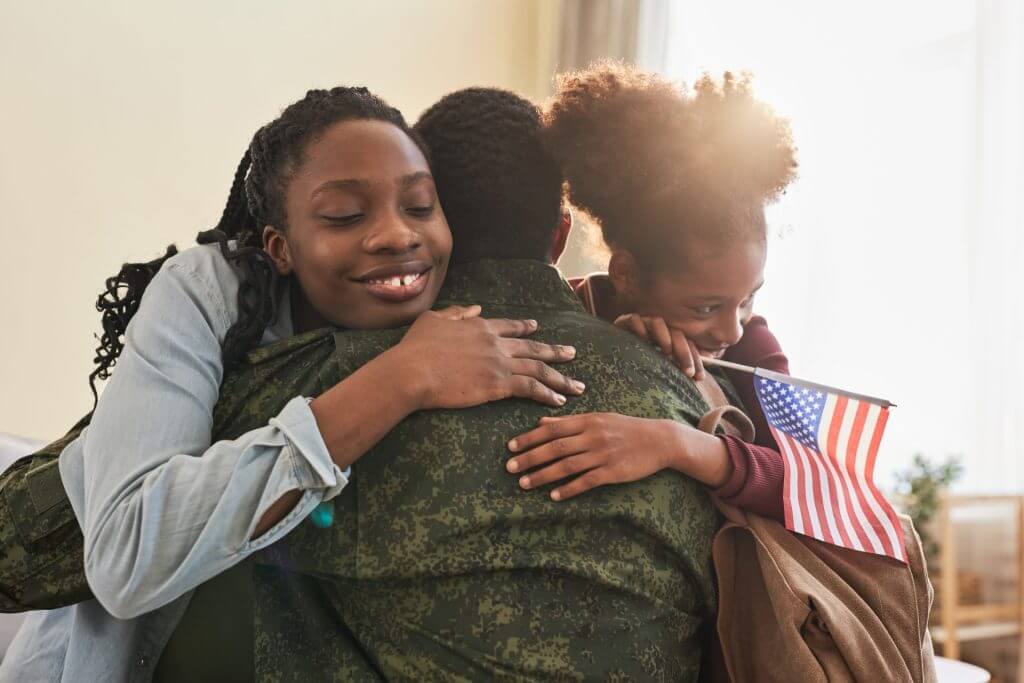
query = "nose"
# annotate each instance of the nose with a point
(728, 328)
(391, 235)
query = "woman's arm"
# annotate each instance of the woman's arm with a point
(159, 519)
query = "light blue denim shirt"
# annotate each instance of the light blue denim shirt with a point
(161, 509)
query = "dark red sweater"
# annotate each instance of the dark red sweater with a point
(757, 469)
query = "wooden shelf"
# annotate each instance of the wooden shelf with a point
(967, 633)
(961, 623)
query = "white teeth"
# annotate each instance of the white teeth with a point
(397, 280)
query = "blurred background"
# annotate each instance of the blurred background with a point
(896, 264)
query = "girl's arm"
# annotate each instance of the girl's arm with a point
(758, 472)
(606, 448)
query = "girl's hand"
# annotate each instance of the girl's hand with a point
(670, 340)
(456, 359)
(601, 448)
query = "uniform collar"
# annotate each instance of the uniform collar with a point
(508, 282)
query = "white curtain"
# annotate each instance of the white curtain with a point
(596, 29)
(896, 261)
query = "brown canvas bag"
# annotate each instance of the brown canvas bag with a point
(792, 608)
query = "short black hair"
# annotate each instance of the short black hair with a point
(500, 188)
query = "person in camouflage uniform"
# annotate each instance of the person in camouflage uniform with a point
(439, 566)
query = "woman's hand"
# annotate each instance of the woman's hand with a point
(670, 340)
(456, 359)
(607, 448)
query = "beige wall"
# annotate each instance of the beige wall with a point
(122, 124)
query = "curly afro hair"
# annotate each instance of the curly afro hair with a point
(666, 172)
(498, 184)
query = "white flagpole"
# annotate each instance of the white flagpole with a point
(761, 372)
(728, 364)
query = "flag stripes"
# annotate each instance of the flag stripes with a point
(829, 443)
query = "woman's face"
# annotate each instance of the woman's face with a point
(366, 237)
(712, 299)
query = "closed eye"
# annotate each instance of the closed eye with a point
(348, 219)
(420, 211)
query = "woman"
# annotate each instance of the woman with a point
(332, 220)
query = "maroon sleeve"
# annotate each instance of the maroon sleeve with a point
(757, 479)
(758, 472)
(758, 348)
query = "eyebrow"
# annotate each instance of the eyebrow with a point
(717, 299)
(361, 184)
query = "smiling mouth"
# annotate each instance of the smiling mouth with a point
(398, 287)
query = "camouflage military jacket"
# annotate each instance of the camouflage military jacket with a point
(438, 565)
(440, 568)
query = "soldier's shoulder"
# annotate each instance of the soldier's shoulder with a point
(603, 348)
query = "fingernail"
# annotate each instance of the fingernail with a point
(513, 445)
(555, 495)
(569, 351)
(512, 466)
(578, 386)
(689, 372)
(559, 399)
(524, 482)
(531, 323)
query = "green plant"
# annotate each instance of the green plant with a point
(919, 488)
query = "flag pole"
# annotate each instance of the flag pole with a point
(728, 364)
(761, 372)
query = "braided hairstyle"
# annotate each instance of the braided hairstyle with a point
(257, 199)
(663, 170)
(498, 184)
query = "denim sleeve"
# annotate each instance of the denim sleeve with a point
(161, 509)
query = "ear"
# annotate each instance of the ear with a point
(622, 271)
(276, 245)
(625, 276)
(561, 236)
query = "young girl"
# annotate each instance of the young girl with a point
(678, 184)
(332, 220)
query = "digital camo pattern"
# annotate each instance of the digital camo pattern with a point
(41, 544)
(439, 567)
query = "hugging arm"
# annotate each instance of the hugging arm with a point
(164, 510)
(598, 449)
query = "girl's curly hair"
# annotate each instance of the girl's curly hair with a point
(659, 166)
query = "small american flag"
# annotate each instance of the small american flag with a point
(829, 441)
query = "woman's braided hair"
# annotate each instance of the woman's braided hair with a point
(256, 200)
